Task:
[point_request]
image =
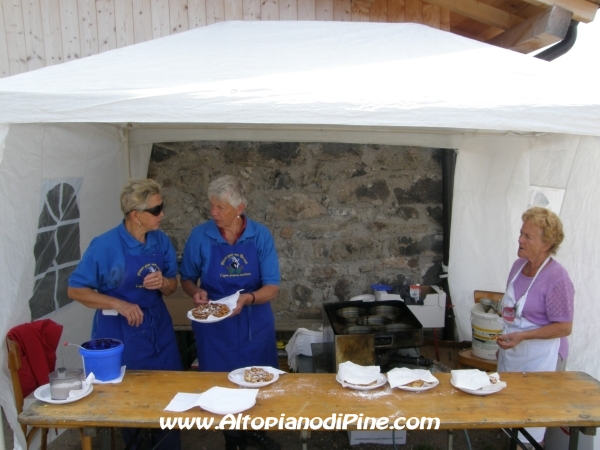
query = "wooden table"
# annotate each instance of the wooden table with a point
(533, 399)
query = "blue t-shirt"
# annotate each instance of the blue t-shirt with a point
(103, 263)
(196, 255)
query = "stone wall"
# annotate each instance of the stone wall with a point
(343, 216)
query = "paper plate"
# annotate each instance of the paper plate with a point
(380, 382)
(210, 319)
(426, 386)
(225, 401)
(486, 390)
(224, 410)
(230, 301)
(43, 393)
(237, 377)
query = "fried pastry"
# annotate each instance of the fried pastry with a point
(217, 310)
(257, 375)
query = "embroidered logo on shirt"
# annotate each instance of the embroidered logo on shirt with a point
(145, 270)
(234, 264)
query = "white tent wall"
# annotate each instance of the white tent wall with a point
(491, 186)
(492, 182)
(31, 154)
(580, 253)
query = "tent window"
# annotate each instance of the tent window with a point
(546, 197)
(56, 250)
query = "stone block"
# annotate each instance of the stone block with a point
(424, 190)
(297, 207)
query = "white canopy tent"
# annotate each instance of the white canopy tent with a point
(515, 122)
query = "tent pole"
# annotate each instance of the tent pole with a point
(448, 170)
(125, 140)
(2, 441)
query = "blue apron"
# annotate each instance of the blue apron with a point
(152, 345)
(247, 339)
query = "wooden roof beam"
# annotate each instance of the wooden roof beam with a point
(583, 11)
(546, 28)
(481, 12)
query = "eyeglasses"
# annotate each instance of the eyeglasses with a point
(155, 210)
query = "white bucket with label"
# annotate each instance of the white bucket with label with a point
(486, 328)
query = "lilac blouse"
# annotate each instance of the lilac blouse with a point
(550, 299)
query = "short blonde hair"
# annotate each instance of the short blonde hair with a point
(550, 223)
(136, 193)
(228, 189)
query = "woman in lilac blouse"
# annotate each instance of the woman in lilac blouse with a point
(537, 308)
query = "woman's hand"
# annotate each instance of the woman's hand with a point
(92, 299)
(132, 312)
(550, 331)
(200, 297)
(243, 300)
(155, 280)
(506, 341)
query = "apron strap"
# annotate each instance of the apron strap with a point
(249, 322)
(153, 320)
(518, 305)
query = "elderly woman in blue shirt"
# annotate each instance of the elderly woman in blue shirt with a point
(128, 269)
(229, 253)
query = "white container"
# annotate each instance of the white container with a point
(383, 295)
(376, 437)
(431, 313)
(486, 327)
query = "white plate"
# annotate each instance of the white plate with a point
(230, 301)
(486, 390)
(210, 319)
(364, 298)
(237, 377)
(43, 393)
(380, 382)
(427, 385)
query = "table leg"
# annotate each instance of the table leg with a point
(86, 440)
(304, 434)
(573, 438)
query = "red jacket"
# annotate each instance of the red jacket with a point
(37, 343)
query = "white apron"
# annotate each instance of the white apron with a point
(532, 355)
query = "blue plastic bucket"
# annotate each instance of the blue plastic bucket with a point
(102, 357)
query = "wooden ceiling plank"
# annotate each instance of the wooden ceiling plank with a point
(444, 19)
(583, 11)
(490, 33)
(481, 12)
(537, 32)
(396, 11)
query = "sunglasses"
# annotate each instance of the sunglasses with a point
(155, 210)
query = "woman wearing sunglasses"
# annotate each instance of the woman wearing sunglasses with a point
(124, 274)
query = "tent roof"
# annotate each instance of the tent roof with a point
(308, 73)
